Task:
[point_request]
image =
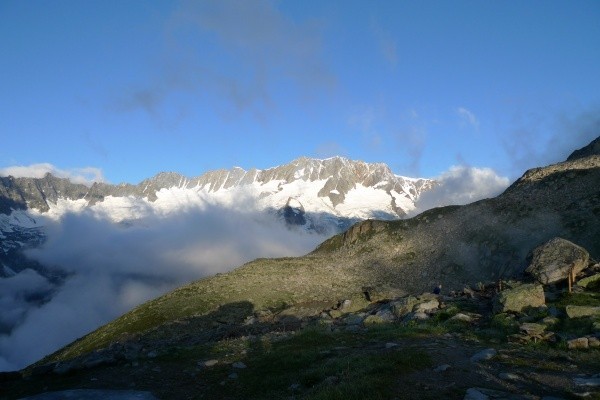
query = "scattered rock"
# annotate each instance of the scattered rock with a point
(593, 382)
(489, 394)
(579, 343)
(507, 376)
(484, 355)
(386, 315)
(532, 328)
(294, 387)
(419, 316)
(373, 319)
(582, 311)
(239, 365)
(345, 305)
(552, 261)
(208, 363)
(518, 298)
(152, 354)
(426, 306)
(593, 342)
(462, 317)
(549, 321)
(353, 319)
(403, 306)
(233, 375)
(389, 345)
(441, 368)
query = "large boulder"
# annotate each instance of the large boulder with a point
(582, 311)
(552, 261)
(520, 297)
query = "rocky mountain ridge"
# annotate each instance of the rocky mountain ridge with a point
(336, 177)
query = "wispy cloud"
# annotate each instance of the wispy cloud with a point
(467, 117)
(387, 45)
(86, 175)
(540, 139)
(462, 185)
(204, 40)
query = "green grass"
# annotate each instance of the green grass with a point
(578, 299)
(325, 365)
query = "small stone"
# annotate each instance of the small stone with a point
(548, 321)
(156, 369)
(579, 343)
(353, 319)
(420, 316)
(507, 376)
(474, 394)
(427, 306)
(233, 375)
(152, 354)
(208, 363)
(373, 320)
(389, 345)
(591, 382)
(294, 387)
(461, 317)
(345, 304)
(441, 368)
(593, 342)
(239, 365)
(484, 355)
(532, 329)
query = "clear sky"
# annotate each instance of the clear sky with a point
(136, 87)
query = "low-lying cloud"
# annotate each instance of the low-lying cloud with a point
(86, 175)
(114, 267)
(462, 185)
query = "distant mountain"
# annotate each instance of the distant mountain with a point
(341, 187)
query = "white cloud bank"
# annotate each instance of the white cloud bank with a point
(86, 175)
(462, 185)
(114, 268)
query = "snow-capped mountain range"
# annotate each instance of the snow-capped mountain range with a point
(337, 186)
(324, 196)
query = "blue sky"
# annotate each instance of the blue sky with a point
(132, 88)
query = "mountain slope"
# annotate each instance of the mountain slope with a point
(460, 245)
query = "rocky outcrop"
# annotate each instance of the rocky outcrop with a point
(519, 298)
(553, 261)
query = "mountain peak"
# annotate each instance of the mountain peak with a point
(593, 148)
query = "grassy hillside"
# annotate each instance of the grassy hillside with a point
(373, 260)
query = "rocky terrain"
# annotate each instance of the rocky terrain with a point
(355, 319)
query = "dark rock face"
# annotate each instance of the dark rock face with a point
(591, 149)
(552, 261)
